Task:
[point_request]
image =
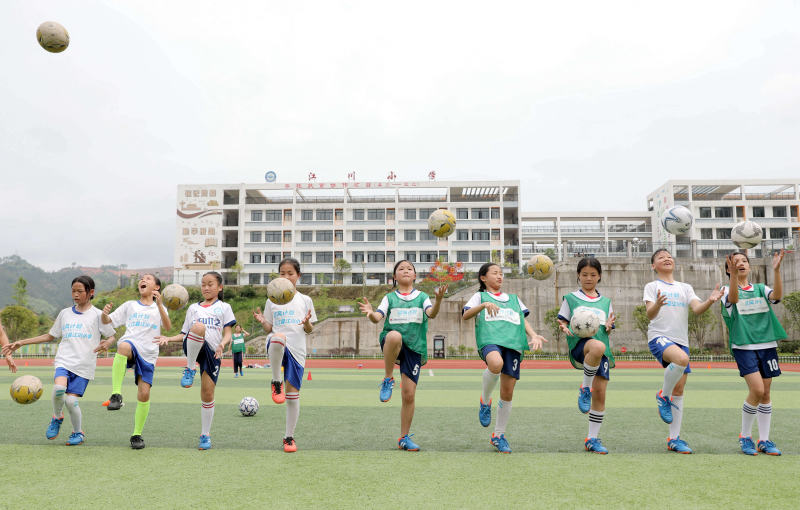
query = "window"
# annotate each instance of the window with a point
(255, 237)
(287, 236)
(306, 236)
(425, 235)
(723, 233)
(390, 256)
(462, 214)
(254, 278)
(255, 215)
(286, 255)
(255, 258)
(357, 278)
(287, 215)
(480, 235)
(338, 236)
(337, 255)
(793, 210)
(273, 215)
(462, 256)
(324, 214)
(705, 212)
(390, 214)
(272, 257)
(480, 256)
(425, 212)
(305, 279)
(706, 233)
(443, 256)
(358, 214)
(428, 256)
(495, 234)
(740, 211)
(390, 235)
(324, 236)
(495, 213)
(272, 236)
(376, 235)
(306, 257)
(410, 214)
(324, 257)
(410, 256)
(306, 215)
(480, 213)
(358, 235)
(376, 214)
(723, 212)
(338, 215)
(779, 211)
(376, 256)
(409, 235)
(758, 211)
(462, 234)
(358, 256)
(778, 233)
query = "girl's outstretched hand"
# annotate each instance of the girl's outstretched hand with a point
(10, 348)
(716, 294)
(218, 352)
(440, 292)
(564, 328)
(777, 258)
(491, 308)
(610, 321)
(11, 364)
(364, 306)
(661, 299)
(161, 340)
(257, 315)
(307, 318)
(535, 342)
(104, 345)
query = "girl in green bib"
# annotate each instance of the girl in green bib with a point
(592, 355)
(502, 334)
(237, 348)
(753, 334)
(404, 340)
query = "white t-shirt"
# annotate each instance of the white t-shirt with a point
(749, 287)
(384, 306)
(215, 317)
(288, 320)
(565, 313)
(80, 335)
(672, 320)
(142, 325)
(475, 300)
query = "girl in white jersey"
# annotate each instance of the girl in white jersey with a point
(136, 349)
(287, 327)
(205, 333)
(79, 329)
(753, 332)
(668, 303)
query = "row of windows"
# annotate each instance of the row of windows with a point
(725, 233)
(307, 236)
(327, 257)
(462, 213)
(758, 211)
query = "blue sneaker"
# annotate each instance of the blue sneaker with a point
(664, 408)
(748, 447)
(768, 447)
(485, 413)
(678, 445)
(405, 443)
(585, 399)
(188, 377)
(205, 443)
(500, 443)
(54, 427)
(75, 439)
(386, 388)
(593, 444)
(235, 375)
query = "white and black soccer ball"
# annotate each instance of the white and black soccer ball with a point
(585, 322)
(248, 406)
(677, 220)
(747, 234)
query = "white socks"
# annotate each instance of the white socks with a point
(748, 417)
(588, 376)
(764, 418)
(503, 413)
(58, 399)
(275, 351)
(672, 374)
(489, 382)
(74, 411)
(595, 421)
(677, 416)
(206, 417)
(292, 412)
(193, 345)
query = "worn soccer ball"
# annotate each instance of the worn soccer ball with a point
(585, 322)
(747, 234)
(677, 220)
(175, 296)
(248, 406)
(26, 389)
(280, 291)
(52, 36)
(441, 223)
(540, 267)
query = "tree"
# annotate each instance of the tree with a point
(19, 322)
(237, 269)
(21, 292)
(550, 252)
(701, 325)
(341, 267)
(323, 279)
(791, 307)
(641, 320)
(551, 321)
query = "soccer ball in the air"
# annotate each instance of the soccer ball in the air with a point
(280, 291)
(585, 322)
(248, 406)
(747, 234)
(677, 220)
(175, 296)
(442, 223)
(52, 37)
(540, 267)
(26, 389)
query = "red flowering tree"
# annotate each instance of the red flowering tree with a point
(446, 272)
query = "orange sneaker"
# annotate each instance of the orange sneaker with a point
(278, 395)
(289, 445)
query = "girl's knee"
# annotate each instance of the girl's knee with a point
(494, 366)
(199, 329)
(393, 337)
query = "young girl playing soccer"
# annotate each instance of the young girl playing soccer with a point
(404, 340)
(79, 328)
(205, 333)
(143, 319)
(753, 333)
(287, 327)
(237, 348)
(593, 355)
(500, 332)
(668, 303)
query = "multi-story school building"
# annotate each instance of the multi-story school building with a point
(244, 230)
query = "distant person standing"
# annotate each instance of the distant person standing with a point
(237, 348)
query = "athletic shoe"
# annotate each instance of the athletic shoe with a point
(289, 445)
(500, 443)
(241, 374)
(278, 395)
(75, 439)
(386, 388)
(114, 402)
(664, 408)
(137, 443)
(405, 443)
(678, 445)
(205, 443)
(188, 377)
(235, 374)
(584, 399)
(593, 444)
(485, 413)
(768, 447)
(54, 427)
(748, 447)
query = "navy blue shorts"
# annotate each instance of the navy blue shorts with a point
(292, 370)
(577, 355)
(763, 361)
(207, 360)
(410, 362)
(511, 359)
(659, 344)
(76, 385)
(141, 369)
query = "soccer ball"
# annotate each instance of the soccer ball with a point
(747, 234)
(175, 296)
(26, 389)
(442, 223)
(248, 406)
(677, 220)
(52, 37)
(585, 322)
(280, 291)
(540, 267)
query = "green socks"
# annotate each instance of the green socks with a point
(142, 410)
(118, 372)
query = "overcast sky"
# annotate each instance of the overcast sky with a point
(590, 104)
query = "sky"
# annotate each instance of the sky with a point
(591, 105)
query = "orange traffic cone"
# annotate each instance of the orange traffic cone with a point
(26, 363)
(309, 376)
(105, 404)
